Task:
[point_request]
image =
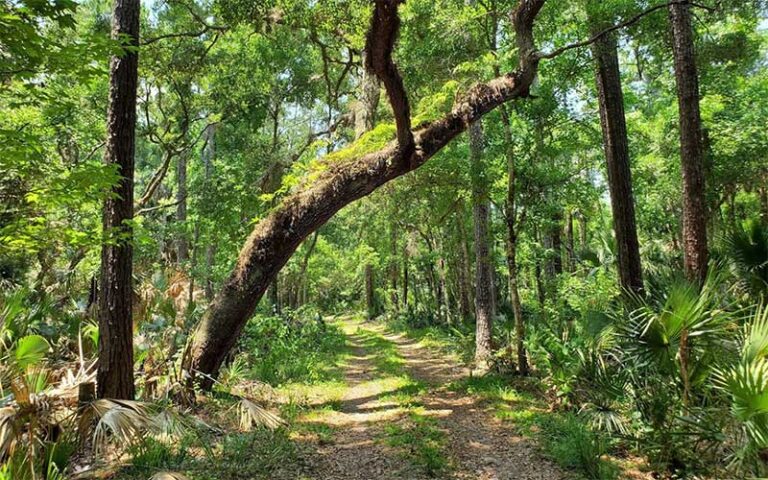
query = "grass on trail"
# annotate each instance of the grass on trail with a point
(415, 435)
(563, 437)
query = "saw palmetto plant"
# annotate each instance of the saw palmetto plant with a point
(746, 384)
(746, 250)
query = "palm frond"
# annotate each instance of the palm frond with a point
(123, 421)
(252, 414)
(756, 336)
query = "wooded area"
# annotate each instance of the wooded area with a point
(356, 239)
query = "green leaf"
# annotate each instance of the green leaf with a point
(30, 350)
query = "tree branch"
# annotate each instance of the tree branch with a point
(380, 42)
(629, 22)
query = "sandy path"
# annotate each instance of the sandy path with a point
(479, 446)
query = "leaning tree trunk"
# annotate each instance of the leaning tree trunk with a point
(275, 238)
(115, 370)
(613, 122)
(691, 152)
(483, 267)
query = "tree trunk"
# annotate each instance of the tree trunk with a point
(570, 256)
(465, 284)
(511, 220)
(115, 370)
(552, 243)
(370, 307)
(691, 153)
(369, 95)
(483, 267)
(445, 314)
(274, 295)
(616, 145)
(208, 154)
(405, 276)
(394, 271)
(275, 238)
(182, 244)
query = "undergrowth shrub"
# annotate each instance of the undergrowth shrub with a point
(299, 346)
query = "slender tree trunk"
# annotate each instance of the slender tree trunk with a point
(552, 243)
(570, 255)
(616, 145)
(446, 302)
(370, 307)
(405, 276)
(394, 271)
(511, 221)
(541, 294)
(182, 244)
(369, 95)
(208, 154)
(465, 283)
(582, 231)
(483, 272)
(115, 370)
(691, 152)
(274, 295)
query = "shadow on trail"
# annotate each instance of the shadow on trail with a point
(394, 383)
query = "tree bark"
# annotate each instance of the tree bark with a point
(483, 267)
(511, 221)
(369, 95)
(275, 238)
(616, 145)
(691, 152)
(115, 370)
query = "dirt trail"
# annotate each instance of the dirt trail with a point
(478, 446)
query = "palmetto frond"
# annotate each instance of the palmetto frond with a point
(121, 420)
(252, 414)
(747, 382)
(756, 335)
(747, 250)
(654, 332)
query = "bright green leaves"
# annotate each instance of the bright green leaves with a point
(30, 350)
(747, 381)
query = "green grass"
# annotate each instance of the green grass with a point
(563, 436)
(420, 441)
(254, 455)
(416, 436)
(387, 359)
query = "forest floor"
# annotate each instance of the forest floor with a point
(407, 411)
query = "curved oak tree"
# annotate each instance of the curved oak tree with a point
(275, 238)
